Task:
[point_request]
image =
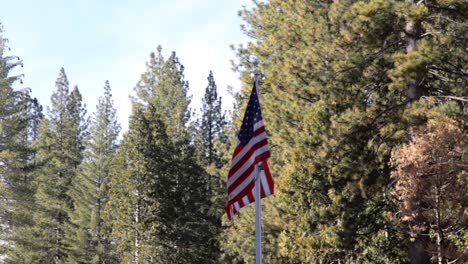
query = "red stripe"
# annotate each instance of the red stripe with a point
(246, 191)
(240, 146)
(247, 156)
(241, 162)
(262, 190)
(241, 178)
(251, 197)
(239, 200)
(234, 210)
(265, 155)
(259, 131)
(250, 194)
(268, 177)
(238, 149)
(229, 208)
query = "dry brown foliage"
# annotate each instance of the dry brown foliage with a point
(431, 185)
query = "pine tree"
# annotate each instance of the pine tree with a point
(21, 191)
(90, 239)
(429, 172)
(59, 153)
(79, 124)
(137, 176)
(209, 140)
(11, 122)
(163, 85)
(157, 165)
(19, 114)
(211, 126)
(339, 77)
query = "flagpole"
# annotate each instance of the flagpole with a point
(258, 223)
(258, 207)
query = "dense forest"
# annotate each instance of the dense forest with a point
(365, 103)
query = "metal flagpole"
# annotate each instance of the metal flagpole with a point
(258, 223)
(258, 208)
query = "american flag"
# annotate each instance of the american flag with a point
(252, 148)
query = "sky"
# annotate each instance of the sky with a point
(112, 39)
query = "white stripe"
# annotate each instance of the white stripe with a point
(262, 150)
(247, 147)
(265, 186)
(245, 200)
(243, 185)
(241, 170)
(236, 205)
(258, 124)
(249, 201)
(247, 164)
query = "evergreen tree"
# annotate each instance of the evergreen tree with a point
(429, 172)
(211, 126)
(59, 152)
(210, 138)
(163, 85)
(339, 76)
(20, 191)
(19, 115)
(167, 218)
(90, 239)
(76, 111)
(12, 123)
(138, 176)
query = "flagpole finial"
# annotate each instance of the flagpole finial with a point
(254, 60)
(255, 72)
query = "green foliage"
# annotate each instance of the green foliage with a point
(135, 185)
(59, 152)
(211, 126)
(158, 209)
(19, 116)
(90, 239)
(339, 76)
(429, 172)
(155, 206)
(163, 85)
(347, 84)
(210, 141)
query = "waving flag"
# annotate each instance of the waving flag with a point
(252, 149)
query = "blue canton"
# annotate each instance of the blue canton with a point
(252, 115)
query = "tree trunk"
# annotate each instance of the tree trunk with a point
(413, 31)
(136, 255)
(440, 235)
(418, 253)
(419, 244)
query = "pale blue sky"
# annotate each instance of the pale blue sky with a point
(111, 40)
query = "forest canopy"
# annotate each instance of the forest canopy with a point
(365, 104)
